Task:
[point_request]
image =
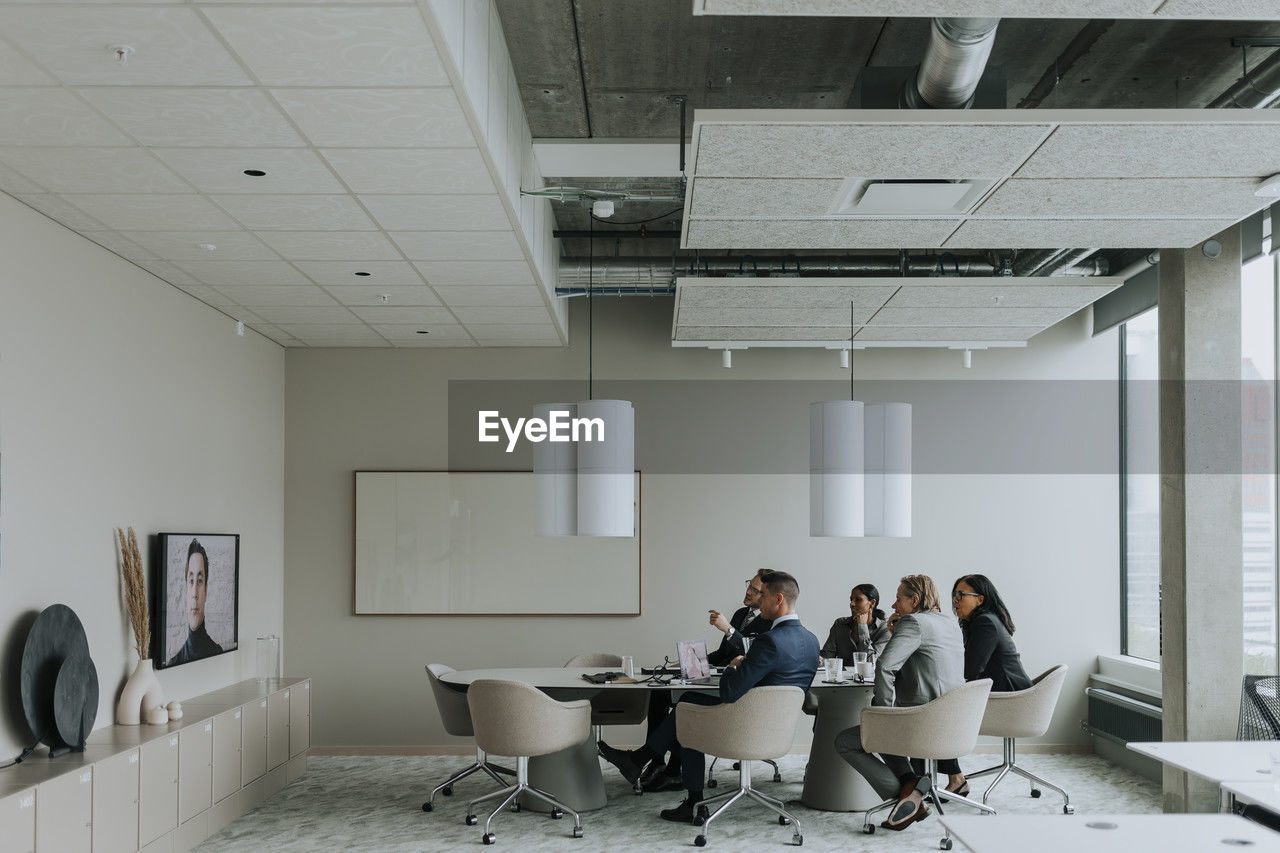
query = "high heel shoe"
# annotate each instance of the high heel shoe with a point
(962, 791)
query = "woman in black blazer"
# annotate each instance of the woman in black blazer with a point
(989, 651)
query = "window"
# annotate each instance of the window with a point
(1258, 449)
(1140, 487)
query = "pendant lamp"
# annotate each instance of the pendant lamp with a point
(555, 471)
(887, 456)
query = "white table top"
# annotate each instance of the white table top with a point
(1217, 761)
(570, 678)
(1264, 793)
(1202, 833)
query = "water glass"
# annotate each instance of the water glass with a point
(268, 657)
(834, 666)
(629, 666)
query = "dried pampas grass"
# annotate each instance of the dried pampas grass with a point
(135, 591)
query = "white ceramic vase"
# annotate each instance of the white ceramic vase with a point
(141, 693)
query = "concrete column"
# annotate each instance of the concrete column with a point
(1201, 575)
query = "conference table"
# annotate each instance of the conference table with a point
(573, 774)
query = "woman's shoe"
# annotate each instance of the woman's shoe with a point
(962, 791)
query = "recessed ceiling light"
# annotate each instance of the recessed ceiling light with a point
(363, 273)
(255, 173)
(423, 332)
(208, 247)
(898, 197)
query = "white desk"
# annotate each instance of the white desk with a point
(1201, 833)
(1217, 761)
(1264, 794)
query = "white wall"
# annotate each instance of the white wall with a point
(125, 402)
(1049, 540)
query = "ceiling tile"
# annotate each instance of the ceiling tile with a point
(1137, 197)
(387, 118)
(438, 212)
(1073, 233)
(743, 198)
(458, 245)
(372, 296)
(296, 212)
(393, 314)
(381, 273)
(61, 211)
(125, 248)
(205, 294)
(1239, 10)
(409, 332)
(831, 317)
(818, 234)
(52, 117)
(800, 150)
(933, 334)
(191, 245)
(330, 245)
(1158, 150)
(153, 212)
(17, 70)
(520, 331)
(983, 316)
(476, 272)
(354, 334)
(527, 296)
(332, 47)
(535, 315)
(1053, 293)
(221, 170)
(751, 292)
(224, 274)
(934, 8)
(192, 116)
(437, 343)
(172, 46)
(286, 315)
(275, 333)
(12, 182)
(94, 170)
(761, 333)
(516, 342)
(307, 296)
(390, 170)
(168, 272)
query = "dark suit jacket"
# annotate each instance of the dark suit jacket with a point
(786, 655)
(989, 652)
(732, 646)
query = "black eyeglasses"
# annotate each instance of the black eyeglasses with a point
(960, 594)
(753, 589)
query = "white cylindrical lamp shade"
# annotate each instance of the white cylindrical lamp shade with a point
(606, 468)
(888, 469)
(555, 474)
(836, 505)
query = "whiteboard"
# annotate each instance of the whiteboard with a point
(437, 542)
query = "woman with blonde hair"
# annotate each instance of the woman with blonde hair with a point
(923, 660)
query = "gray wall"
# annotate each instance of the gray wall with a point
(124, 401)
(1049, 539)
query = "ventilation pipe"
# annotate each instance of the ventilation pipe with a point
(952, 65)
(1257, 90)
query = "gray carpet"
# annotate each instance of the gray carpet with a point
(374, 803)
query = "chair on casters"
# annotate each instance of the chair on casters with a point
(810, 707)
(947, 727)
(1259, 708)
(616, 707)
(758, 727)
(1023, 713)
(514, 718)
(457, 721)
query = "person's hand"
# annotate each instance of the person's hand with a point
(862, 618)
(892, 621)
(738, 660)
(717, 620)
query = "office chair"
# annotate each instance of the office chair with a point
(457, 721)
(1259, 708)
(612, 707)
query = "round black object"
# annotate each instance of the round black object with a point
(55, 636)
(75, 700)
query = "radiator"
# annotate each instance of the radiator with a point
(1121, 719)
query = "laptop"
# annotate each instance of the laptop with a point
(694, 667)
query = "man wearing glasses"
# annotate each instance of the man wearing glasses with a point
(738, 630)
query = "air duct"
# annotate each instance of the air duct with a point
(953, 63)
(1258, 89)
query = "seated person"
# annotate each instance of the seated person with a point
(786, 654)
(923, 660)
(989, 651)
(863, 630)
(746, 623)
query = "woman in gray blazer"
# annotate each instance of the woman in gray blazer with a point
(923, 660)
(863, 630)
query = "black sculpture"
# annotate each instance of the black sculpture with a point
(59, 681)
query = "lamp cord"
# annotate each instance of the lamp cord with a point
(851, 350)
(591, 312)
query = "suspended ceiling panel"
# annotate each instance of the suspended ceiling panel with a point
(793, 179)
(875, 312)
(1247, 10)
(392, 137)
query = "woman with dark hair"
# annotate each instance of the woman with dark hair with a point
(863, 630)
(989, 651)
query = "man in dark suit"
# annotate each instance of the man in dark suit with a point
(745, 624)
(786, 654)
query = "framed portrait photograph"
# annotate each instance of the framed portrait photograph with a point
(196, 597)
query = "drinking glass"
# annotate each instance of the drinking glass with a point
(629, 666)
(268, 657)
(834, 666)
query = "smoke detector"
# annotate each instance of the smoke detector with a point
(907, 197)
(602, 209)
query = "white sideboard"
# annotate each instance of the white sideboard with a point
(162, 789)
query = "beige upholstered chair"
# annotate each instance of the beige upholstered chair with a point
(457, 721)
(514, 718)
(1023, 713)
(759, 726)
(616, 707)
(947, 727)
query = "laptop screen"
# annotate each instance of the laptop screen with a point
(692, 655)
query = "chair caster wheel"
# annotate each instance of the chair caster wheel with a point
(426, 807)
(556, 814)
(944, 844)
(777, 777)
(488, 838)
(1068, 809)
(712, 783)
(782, 821)
(700, 841)
(868, 829)
(577, 832)
(1035, 793)
(798, 840)
(637, 790)
(515, 807)
(447, 790)
(471, 820)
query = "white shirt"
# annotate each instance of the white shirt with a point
(787, 618)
